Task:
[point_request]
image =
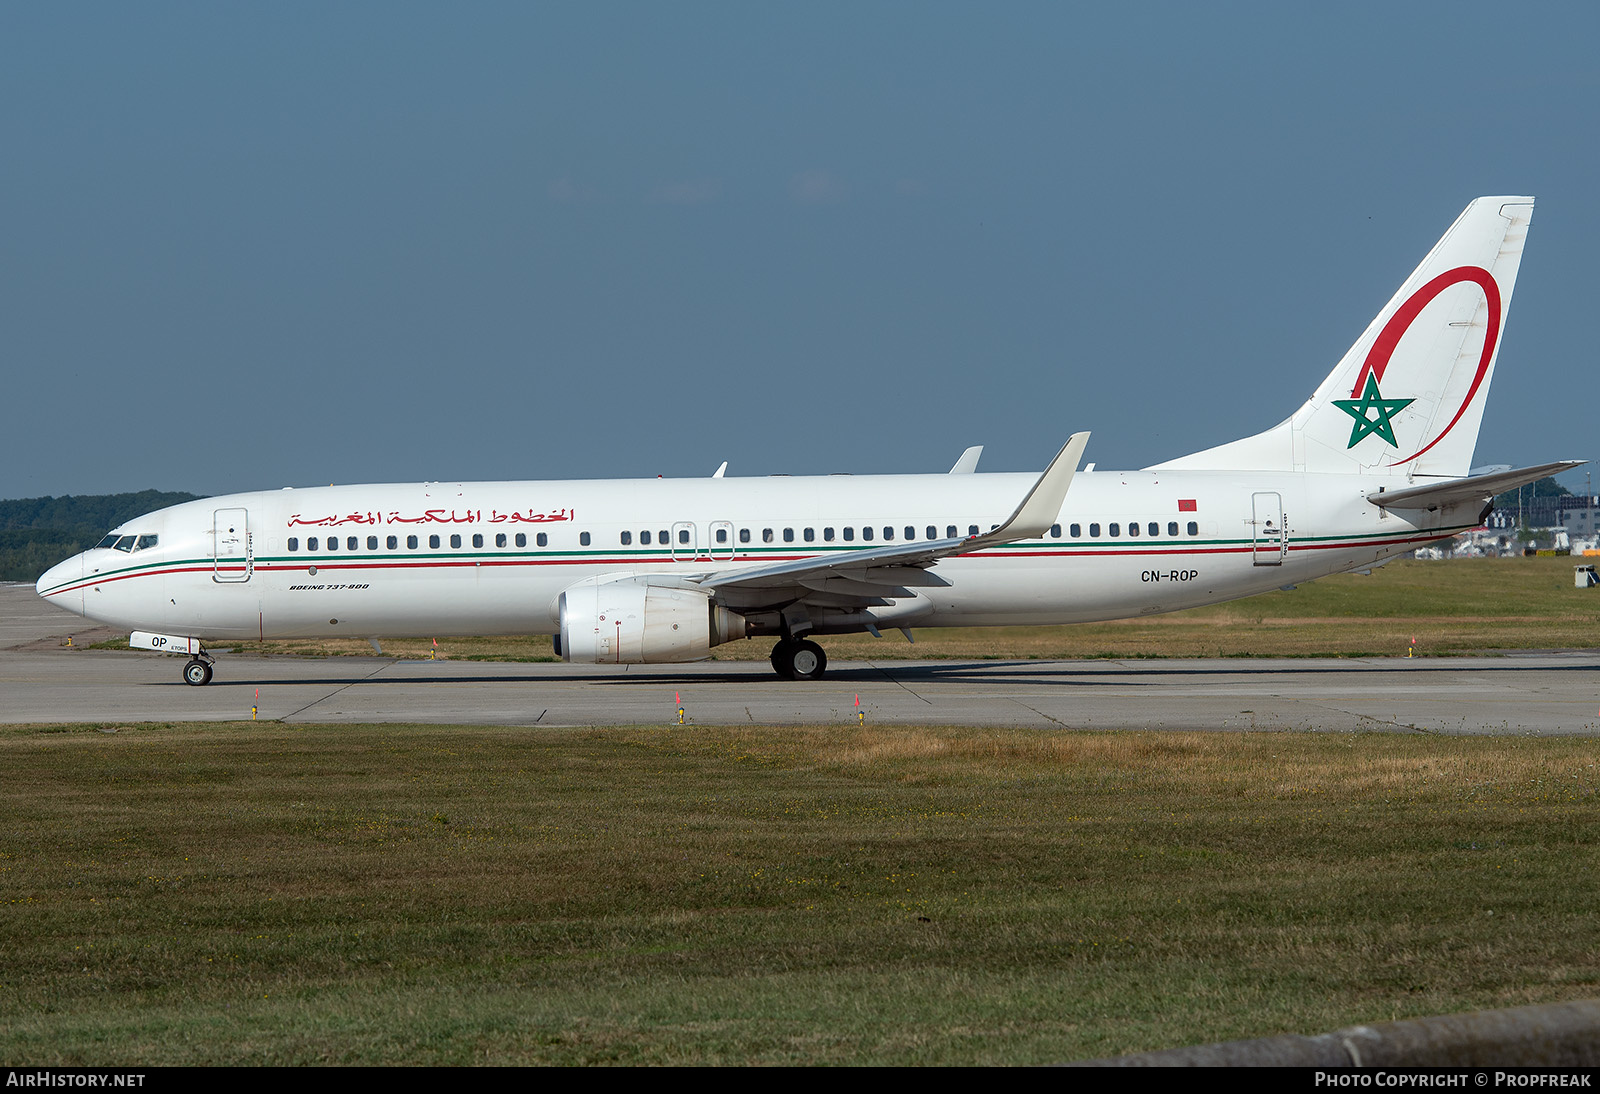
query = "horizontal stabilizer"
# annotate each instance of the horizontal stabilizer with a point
(1476, 488)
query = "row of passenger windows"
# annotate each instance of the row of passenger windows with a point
(1152, 530)
(809, 535)
(1113, 530)
(392, 543)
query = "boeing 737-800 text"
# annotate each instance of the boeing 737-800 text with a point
(1374, 464)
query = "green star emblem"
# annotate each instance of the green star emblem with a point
(1365, 422)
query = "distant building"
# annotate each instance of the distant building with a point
(1579, 516)
(1549, 512)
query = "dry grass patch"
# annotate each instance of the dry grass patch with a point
(411, 894)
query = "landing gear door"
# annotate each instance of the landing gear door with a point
(1271, 538)
(232, 556)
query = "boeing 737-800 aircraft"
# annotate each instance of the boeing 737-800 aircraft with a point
(1376, 463)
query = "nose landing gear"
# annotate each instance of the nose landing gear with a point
(197, 671)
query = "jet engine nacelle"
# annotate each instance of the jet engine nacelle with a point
(630, 623)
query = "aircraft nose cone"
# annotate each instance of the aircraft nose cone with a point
(62, 584)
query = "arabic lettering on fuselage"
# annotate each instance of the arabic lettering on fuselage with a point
(435, 516)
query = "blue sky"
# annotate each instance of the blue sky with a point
(261, 245)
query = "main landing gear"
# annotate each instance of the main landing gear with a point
(197, 671)
(798, 659)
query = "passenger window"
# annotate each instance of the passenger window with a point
(333, 543)
(1133, 529)
(950, 532)
(810, 535)
(311, 543)
(766, 535)
(849, 535)
(788, 535)
(372, 543)
(866, 533)
(1055, 531)
(722, 535)
(500, 539)
(294, 543)
(583, 539)
(663, 538)
(933, 533)
(972, 529)
(627, 539)
(521, 540)
(1114, 530)
(1075, 530)
(394, 543)
(1094, 531)
(477, 539)
(744, 535)
(827, 535)
(542, 539)
(455, 542)
(1172, 527)
(888, 534)
(644, 538)
(433, 542)
(683, 535)
(1194, 529)
(911, 533)
(411, 543)
(1154, 529)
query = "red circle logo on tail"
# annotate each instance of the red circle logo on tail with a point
(1388, 338)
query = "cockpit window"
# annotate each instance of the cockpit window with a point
(145, 541)
(109, 542)
(124, 544)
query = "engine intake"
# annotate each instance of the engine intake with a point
(631, 623)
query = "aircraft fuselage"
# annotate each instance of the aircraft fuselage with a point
(493, 558)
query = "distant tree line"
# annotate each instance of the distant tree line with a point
(1544, 488)
(37, 533)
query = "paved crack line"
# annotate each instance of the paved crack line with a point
(1040, 713)
(331, 694)
(897, 683)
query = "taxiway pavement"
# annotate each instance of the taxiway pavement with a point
(1554, 693)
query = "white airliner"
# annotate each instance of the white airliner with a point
(1375, 464)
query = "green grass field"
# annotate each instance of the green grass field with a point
(257, 893)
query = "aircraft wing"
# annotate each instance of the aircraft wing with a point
(1474, 488)
(874, 575)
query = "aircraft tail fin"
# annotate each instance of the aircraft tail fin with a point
(1408, 397)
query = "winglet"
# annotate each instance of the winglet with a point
(968, 463)
(1040, 508)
